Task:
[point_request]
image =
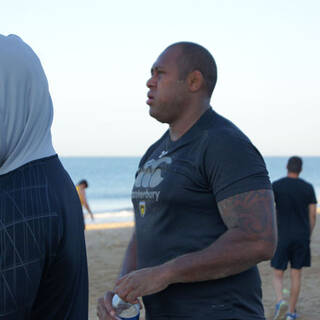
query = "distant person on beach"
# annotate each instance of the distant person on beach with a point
(81, 189)
(43, 264)
(203, 202)
(296, 215)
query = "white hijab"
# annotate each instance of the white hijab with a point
(26, 110)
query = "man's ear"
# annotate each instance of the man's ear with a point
(195, 80)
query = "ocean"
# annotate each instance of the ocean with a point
(111, 178)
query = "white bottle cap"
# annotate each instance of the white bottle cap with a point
(125, 309)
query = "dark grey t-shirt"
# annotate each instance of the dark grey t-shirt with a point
(293, 197)
(175, 197)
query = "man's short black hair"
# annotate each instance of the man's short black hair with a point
(294, 164)
(195, 57)
(84, 182)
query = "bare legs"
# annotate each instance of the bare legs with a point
(295, 288)
(278, 283)
(295, 277)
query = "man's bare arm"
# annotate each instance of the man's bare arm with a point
(86, 205)
(250, 238)
(312, 216)
(130, 258)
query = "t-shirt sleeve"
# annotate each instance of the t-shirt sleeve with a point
(233, 166)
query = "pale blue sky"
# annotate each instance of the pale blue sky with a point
(97, 56)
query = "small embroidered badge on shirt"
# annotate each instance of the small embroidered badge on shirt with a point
(163, 153)
(142, 208)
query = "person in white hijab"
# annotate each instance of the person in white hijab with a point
(43, 265)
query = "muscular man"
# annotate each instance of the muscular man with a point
(204, 209)
(43, 265)
(296, 214)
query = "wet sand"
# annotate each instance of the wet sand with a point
(106, 245)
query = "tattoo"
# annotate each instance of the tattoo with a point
(252, 212)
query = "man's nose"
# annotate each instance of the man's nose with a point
(151, 82)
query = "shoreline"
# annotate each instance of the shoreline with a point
(110, 225)
(109, 220)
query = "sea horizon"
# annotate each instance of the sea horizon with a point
(111, 178)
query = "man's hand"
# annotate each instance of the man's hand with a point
(312, 216)
(105, 311)
(141, 283)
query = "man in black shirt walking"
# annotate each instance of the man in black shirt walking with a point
(296, 212)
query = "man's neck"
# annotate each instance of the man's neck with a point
(186, 121)
(293, 175)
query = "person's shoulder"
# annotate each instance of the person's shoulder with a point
(226, 146)
(224, 135)
(222, 129)
(279, 182)
(305, 183)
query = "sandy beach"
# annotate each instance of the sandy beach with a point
(107, 242)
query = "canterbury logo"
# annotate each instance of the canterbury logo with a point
(150, 175)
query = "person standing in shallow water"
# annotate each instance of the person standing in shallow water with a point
(204, 207)
(296, 215)
(43, 264)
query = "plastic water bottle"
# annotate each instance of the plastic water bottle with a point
(125, 310)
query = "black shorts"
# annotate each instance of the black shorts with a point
(297, 251)
(43, 265)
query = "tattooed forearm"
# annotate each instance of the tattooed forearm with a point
(252, 212)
